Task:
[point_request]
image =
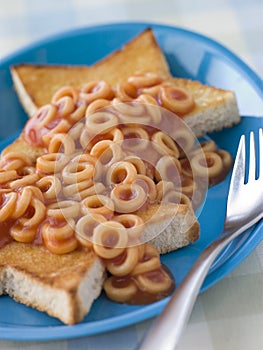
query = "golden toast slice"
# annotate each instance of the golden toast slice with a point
(214, 108)
(64, 286)
(36, 84)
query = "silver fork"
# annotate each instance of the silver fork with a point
(244, 209)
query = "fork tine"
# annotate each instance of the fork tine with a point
(252, 158)
(260, 137)
(238, 175)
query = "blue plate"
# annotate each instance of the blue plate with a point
(190, 55)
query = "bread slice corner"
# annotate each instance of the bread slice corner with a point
(170, 226)
(63, 286)
(214, 109)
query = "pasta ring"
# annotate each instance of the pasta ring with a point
(26, 170)
(137, 163)
(134, 225)
(50, 186)
(152, 107)
(100, 122)
(52, 231)
(163, 188)
(120, 292)
(45, 115)
(64, 209)
(148, 185)
(156, 281)
(98, 204)
(127, 263)
(208, 165)
(22, 234)
(59, 240)
(176, 99)
(8, 203)
(205, 146)
(96, 90)
(75, 172)
(84, 158)
(131, 112)
(65, 105)
(135, 139)
(184, 139)
(60, 248)
(168, 169)
(226, 158)
(145, 80)
(37, 216)
(121, 172)
(88, 141)
(77, 114)
(62, 126)
(51, 163)
(77, 190)
(22, 202)
(152, 91)
(208, 146)
(110, 239)
(107, 152)
(36, 192)
(62, 143)
(96, 189)
(187, 185)
(150, 260)
(126, 92)
(97, 105)
(164, 144)
(68, 91)
(76, 130)
(131, 132)
(85, 227)
(128, 198)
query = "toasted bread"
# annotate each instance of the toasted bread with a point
(66, 286)
(214, 108)
(35, 84)
(63, 286)
(177, 224)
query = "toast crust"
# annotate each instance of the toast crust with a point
(169, 218)
(36, 84)
(214, 108)
(51, 283)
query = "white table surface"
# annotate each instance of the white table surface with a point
(230, 314)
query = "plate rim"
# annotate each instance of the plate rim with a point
(38, 333)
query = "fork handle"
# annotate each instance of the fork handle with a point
(167, 329)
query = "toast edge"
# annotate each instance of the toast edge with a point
(69, 303)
